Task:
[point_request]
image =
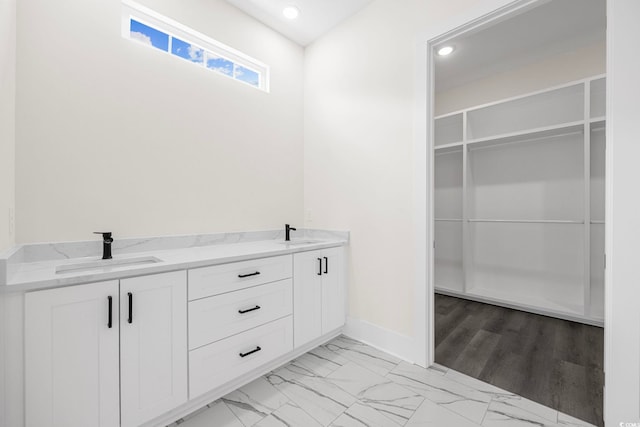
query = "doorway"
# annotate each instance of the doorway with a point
(518, 202)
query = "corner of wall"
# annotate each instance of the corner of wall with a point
(381, 338)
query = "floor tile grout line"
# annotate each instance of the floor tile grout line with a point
(485, 414)
(507, 392)
(383, 376)
(329, 361)
(443, 405)
(358, 400)
(439, 404)
(458, 414)
(341, 414)
(367, 368)
(425, 398)
(304, 410)
(229, 409)
(314, 418)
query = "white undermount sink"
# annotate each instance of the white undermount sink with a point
(105, 264)
(297, 242)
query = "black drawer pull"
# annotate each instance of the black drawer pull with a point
(257, 307)
(110, 322)
(130, 319)
(319, 266)
(242, 276)
(326, 265)
(257, 349)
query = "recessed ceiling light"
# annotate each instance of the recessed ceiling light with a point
(446, 50)
(291, 12)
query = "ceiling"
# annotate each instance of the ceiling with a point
(316, 16)
(552, 28)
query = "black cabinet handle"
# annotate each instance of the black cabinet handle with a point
(110, 322)
(319, 266)
(326, 265)
(130, 319)
(257, 349)
(257, 307)
(242, 276)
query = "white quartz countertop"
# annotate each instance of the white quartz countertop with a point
(42, 274)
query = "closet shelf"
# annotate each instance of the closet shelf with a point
(529, 135)
(598, 126)
(527, 221)
(449, 147)
(447, 115)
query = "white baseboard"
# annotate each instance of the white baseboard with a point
(383, 339)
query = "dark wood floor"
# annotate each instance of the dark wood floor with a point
(551, 361)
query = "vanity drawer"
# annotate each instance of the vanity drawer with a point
(220, 316)
(208, 281)
(215, 364)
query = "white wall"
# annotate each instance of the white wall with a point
(359, 106)
(113, 135)
(622, 317)
(7, 117)
(7, 146)
(552, 71)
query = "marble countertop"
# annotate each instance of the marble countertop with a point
(41, 274)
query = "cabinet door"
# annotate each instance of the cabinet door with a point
(333, 292)
(71, 357)
(307, 297)
(153, 339)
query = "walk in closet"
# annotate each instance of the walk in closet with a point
(519, 202)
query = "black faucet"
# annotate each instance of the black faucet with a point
(107, 240)
(287, 230)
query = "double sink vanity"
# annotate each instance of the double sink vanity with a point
(166, 326)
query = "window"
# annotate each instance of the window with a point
(145, 26)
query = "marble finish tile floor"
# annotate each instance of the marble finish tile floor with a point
(346, 383)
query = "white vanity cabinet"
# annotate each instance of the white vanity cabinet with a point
(72, 356)
(106, 354)
(239, 319)
(147, 350)
(318, 293)
(153, 346)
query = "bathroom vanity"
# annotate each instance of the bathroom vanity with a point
(150, 336)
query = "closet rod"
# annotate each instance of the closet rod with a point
(449, 219)
(528, 221)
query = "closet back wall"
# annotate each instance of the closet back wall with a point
(537, 75)
(113, 135)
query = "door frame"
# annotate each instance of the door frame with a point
(490, 12)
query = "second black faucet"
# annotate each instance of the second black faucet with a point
(287, 230)
(107, 240)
